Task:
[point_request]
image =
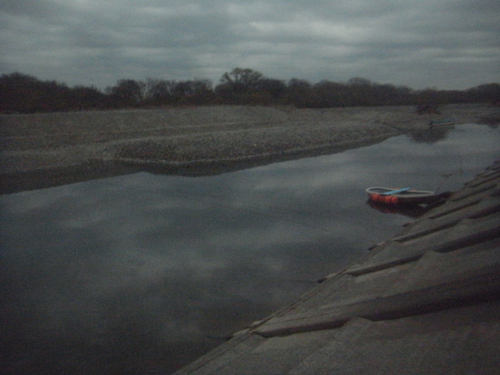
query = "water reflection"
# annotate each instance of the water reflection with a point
(431, 135)
(143, 273)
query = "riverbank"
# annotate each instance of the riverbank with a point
(42, 150)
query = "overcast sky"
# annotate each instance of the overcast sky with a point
(447, 44)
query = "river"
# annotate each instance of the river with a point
(143, 273)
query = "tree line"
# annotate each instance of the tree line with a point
(21, 93)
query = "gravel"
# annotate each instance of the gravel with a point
(201, 137)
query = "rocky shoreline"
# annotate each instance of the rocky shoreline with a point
(42, 150)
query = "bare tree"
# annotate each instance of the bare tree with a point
(240, 80)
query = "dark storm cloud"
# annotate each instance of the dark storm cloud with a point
(451, 44)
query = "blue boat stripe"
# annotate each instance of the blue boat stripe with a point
(396, 191)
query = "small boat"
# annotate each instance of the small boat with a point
(404, 195)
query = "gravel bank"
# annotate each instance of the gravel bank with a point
(200, 140)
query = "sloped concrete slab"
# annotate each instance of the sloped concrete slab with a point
(465, 341)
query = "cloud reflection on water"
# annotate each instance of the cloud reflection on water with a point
(143, 272)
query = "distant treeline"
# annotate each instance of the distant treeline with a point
(21, 93)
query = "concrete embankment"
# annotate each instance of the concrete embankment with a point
(41, 150)
(423, 302)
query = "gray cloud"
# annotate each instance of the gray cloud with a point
(448, 44)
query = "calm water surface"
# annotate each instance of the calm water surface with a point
(140, 274)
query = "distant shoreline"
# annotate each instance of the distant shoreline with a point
(42, 150)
